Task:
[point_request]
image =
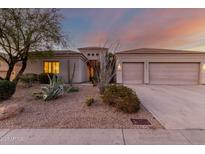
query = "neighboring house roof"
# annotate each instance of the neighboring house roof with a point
(69, 52)
(59, 52)
(92, 48)
(158, 51)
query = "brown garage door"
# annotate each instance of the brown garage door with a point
(132, 73)
(174, 73)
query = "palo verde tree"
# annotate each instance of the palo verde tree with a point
(27, 30)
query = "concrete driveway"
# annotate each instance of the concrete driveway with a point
(175, 107)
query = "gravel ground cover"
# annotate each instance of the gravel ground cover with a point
(70, 111)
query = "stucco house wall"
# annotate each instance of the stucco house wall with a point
(34, 66)
(140, 59)
(93, 53)
(80, 67)
(67, 61)
(3, 68)
(66, 68)
(84, 72)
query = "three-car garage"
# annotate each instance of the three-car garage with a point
(161, 73)
(160, 66)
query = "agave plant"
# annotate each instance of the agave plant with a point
(54, 89)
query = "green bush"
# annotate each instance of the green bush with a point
(94, 81)
(89, 101)
(28, 79)
(44, 79)
(35, 77)
(121, 97)
(7, 89)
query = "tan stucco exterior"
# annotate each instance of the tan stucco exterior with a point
(93, 53)
(67, 61)
(146, 57)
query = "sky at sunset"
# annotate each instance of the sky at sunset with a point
(136, 28)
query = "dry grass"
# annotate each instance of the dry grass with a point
(70, 111)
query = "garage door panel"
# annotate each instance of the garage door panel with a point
(133, 73)
(174, 73)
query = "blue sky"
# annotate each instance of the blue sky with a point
(136, 28)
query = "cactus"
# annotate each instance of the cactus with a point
(72, 76)
(54, 89)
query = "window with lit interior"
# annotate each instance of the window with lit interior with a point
(51, 67)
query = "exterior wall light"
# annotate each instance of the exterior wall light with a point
(203, 67)
(119, 67)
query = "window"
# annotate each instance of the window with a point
(51, 67)
(88, 54)
(97, 54)
(93, 54)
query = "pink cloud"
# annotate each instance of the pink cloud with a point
(160, 28)
(96, 38)
(164, 28)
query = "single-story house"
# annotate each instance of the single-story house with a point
(65, 63)
(139, 66)
(161, 66)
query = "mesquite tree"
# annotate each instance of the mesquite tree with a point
(27, 30)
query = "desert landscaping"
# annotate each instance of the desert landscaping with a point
(70, 111)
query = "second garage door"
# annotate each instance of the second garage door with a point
(174, 73)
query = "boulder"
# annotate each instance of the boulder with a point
(10, 110)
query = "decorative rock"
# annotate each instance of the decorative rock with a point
(10, 110)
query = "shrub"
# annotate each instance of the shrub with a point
(38, 95)
(89, 101)
(71, 89)
(28, 79)
(7, 89)
(44, 79)
(94, 81)
(121, 97)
